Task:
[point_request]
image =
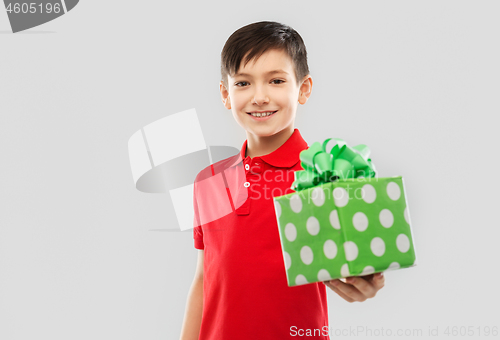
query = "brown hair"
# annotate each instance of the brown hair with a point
(259, 37)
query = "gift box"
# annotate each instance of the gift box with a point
(342, 220)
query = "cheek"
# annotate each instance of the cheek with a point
(286, 100)
(238, 102)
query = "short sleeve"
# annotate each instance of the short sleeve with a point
(197, 231)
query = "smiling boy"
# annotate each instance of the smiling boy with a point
(240, 289)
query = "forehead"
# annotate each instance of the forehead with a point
(270, 60)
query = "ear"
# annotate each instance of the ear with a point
(305, 89)
(225, 96)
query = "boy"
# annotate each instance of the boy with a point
(240, 289)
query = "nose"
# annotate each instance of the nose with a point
(260, 97)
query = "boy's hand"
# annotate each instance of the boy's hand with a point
(357, 288)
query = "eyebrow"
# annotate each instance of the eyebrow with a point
(267, 73)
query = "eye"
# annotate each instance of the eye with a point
(244, 82)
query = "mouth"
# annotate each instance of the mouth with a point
(262, 116)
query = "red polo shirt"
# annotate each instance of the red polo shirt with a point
(245, 291)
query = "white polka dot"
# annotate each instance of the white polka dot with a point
(277, 207)
(393, 266)
(377, 246)
(393, 191)
(312, 225)
(341, 197)
(407, 215)
(403, 243)
(344, 270)
(334, 219)
(386, 218)
(330, 249)
(290, 232)
(351, 250)
(324, 275)
(318, 196)
(296, 203)
(300, 280)
(306, 255)
(288, 260)
(367, 270)
(368, 193)
(360, 221)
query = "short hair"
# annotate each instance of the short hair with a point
(259, 37)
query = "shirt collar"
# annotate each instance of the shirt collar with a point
(286, 156)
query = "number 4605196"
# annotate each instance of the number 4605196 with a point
(471, 331)
(33, 8)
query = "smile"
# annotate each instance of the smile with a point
(263, 115)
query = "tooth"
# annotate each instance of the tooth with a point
(263, 114)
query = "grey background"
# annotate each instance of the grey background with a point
(415, 81)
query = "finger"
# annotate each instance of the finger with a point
(376, 282)
(332, 286)
(379, 280)
(349, 290)
(342, 295)
(372, 278)
(367, 289)
(368, 277)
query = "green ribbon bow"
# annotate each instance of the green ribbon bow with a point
(341, 162)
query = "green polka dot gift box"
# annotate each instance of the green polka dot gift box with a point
(342, 220)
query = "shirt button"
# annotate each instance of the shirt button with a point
(247, 166)
(247, 184)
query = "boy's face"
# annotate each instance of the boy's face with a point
(258, 90)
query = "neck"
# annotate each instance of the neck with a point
(259, 146)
